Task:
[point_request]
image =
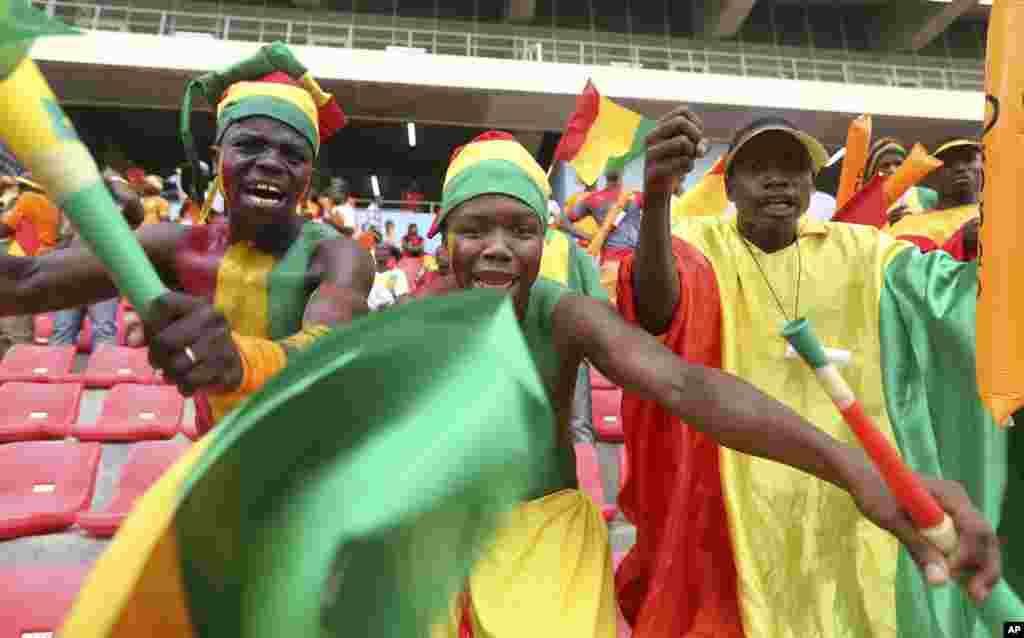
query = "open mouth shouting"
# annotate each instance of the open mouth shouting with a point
(263, 195)
(495, 280)
(779, 205)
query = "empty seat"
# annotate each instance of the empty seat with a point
(607, 419)
(111, 365)
(44, 485)
(33, 411)
(598, 381)
(146, 463)
(49, 364)
(35, 600)
(133, 412)
(589, 474)
(42, 328)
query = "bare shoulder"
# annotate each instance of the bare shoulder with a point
(344, 262)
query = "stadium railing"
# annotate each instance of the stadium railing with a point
(439, 41)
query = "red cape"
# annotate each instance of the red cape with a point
(679, 580)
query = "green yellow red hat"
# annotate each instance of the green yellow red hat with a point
(493, 164)
(272, 83)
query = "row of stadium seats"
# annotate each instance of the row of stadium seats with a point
(131, 412)
(108, 366)
(46, 487)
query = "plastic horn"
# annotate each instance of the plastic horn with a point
(858, 142)
(906, 486)
(918, 165)
(41, 136)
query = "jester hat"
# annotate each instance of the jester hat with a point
(272, 83)
(493, 164)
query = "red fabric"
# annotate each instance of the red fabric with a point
(411, 200)
(615, 254)
(44, 485)
(679, 580)
(27, 237)
(588, 105)
(956, 248)
(868, 206)
(332, 119)
(35, 411)
(411, 266)
(134, 412)
(146, 463)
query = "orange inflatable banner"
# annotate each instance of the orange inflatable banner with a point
(1000, 340)
(858, 144)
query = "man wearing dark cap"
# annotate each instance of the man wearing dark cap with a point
(952, 223)
(781, 555)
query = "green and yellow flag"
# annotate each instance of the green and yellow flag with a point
(349, 497)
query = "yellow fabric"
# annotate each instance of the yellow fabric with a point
(241, 292)
(242, 296)
(912, 200)
(313, 87)
(1000, 341)
(937, 225)
(15, 249)
(548, 573)
(136, 587)
(808, 563)
(611, 135)
(706, 198)
(305, 337)
(300, 97)
(261, 359)
(554, 261)
(506, 150)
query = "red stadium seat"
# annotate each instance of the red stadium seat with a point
(35, 600)
(44, 485)
(607, 417)
(146, 463)
(42, 328)
(33, 411)
(49, 364)
(589, 474)
(135, 412)
(111, 365)
(598, 381)
(623, 467)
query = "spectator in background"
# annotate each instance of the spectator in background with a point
(343, 213)
(67, 324)
(412, 243)
(887, 155)
(31, 225)
(389, 234)
(433, 282)
(390, 285)
(156, 208)
(413, 197)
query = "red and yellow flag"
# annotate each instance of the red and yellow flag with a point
(601, 135)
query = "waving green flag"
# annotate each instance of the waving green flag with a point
(349, 497)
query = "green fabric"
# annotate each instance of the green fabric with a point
(493, 177)
(20, 24)
(618, 164)
(927, 316)
(353, 493)
(272, 107)
(287, 290)
(928, 198)
(101, 225)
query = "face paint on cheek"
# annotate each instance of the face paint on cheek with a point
(453, 256)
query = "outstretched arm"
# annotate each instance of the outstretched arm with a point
(74, 276)
(739, 416)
